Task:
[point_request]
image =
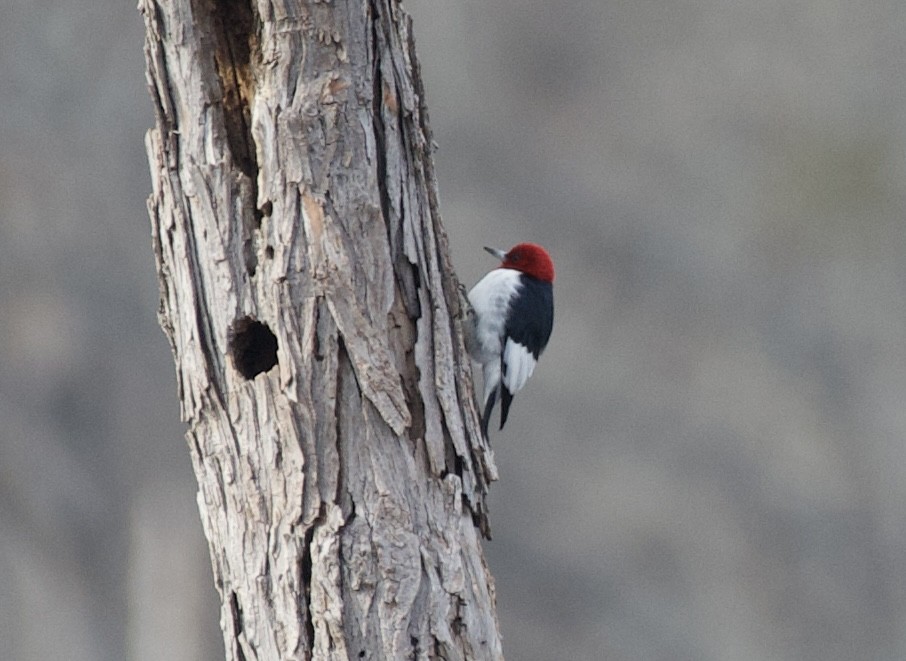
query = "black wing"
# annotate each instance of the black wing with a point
(530, 322)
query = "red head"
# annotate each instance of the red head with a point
(530, 258)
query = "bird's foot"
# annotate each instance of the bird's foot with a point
(465, 307)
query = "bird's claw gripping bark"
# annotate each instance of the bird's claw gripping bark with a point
(465, 307)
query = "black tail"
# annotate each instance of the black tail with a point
(486, 417)
(505, 400)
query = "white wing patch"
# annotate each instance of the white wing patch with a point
(520, 363)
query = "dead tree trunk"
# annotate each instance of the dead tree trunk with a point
(309, 299)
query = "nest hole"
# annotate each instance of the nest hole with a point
(253, 347)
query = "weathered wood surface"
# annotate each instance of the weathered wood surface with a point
(343, 490)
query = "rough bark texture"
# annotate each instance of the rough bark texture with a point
(342, 489)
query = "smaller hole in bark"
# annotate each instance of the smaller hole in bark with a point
(269, 252)
(253, 347)
(262, 212)
(251, 260)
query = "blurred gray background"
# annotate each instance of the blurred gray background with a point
(709, 463)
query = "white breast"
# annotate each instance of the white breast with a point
(490, 299)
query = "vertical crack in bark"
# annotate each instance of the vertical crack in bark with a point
(236, 614)
(340, 496)
(236, 49)
(306, 570)
(377, 114)
(410, 378)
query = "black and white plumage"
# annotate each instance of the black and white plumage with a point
(513, 315)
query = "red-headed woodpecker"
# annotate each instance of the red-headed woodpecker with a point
(513, 314)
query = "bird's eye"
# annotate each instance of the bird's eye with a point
(515, 258)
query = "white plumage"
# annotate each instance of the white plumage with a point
(490, 299)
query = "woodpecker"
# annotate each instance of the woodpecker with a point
(513, 314)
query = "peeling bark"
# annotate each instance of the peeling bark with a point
(309, 299)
